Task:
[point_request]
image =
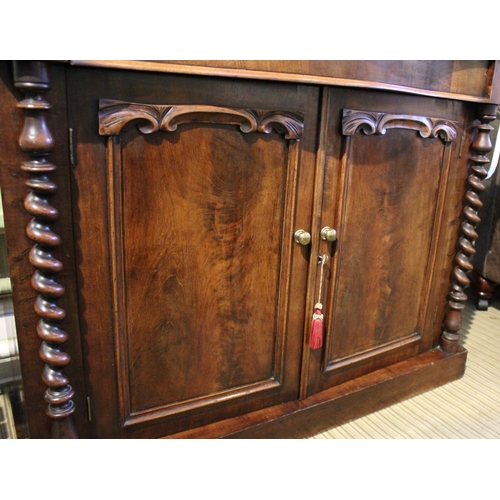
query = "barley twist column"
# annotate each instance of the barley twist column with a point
(457, 298)
(36, 141)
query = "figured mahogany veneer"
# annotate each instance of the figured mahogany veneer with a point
(165, 276)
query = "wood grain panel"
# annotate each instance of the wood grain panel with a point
(384, 192)
(200, 269)
(385, 242)
(200, 298)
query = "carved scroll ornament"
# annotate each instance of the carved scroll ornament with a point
(114, 115)
(371, 123)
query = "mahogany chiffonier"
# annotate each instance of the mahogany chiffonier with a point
(204, 249)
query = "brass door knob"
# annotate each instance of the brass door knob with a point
(328, 234)
(302, 237)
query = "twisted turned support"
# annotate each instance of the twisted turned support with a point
(36, 141)
(457, 298)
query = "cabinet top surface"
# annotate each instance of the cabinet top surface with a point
(468, 80)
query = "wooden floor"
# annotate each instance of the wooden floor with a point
(468, 408)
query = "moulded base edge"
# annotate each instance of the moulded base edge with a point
(340, 404)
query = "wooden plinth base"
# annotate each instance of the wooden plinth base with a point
(341, 404)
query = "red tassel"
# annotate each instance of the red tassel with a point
(316, 335)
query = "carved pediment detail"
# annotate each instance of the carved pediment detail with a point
(114, 115)
(370, 123)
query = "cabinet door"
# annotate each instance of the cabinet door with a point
(388, 192)
(188, 191)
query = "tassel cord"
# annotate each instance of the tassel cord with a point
(316, 333)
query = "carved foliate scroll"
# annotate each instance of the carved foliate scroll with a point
(370, 123)
(114, 115)
(37, 142)
(457, 298)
